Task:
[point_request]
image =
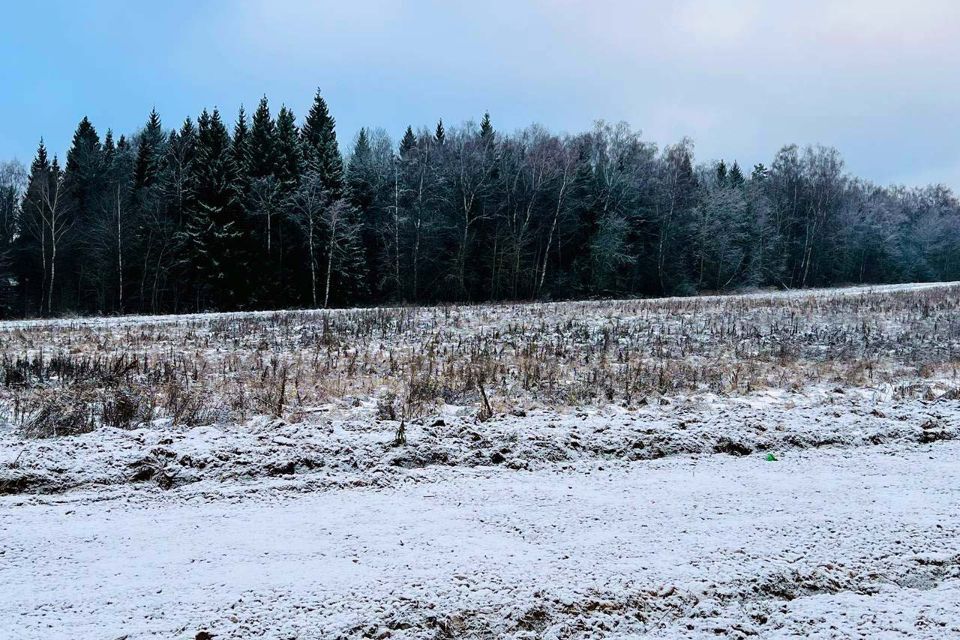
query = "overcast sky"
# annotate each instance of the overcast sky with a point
(878, 79)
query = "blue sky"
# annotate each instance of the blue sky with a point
(877, 79)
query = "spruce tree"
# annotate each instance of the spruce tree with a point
(149, 152)
(31, 246)
(241, 150)
(361, 189)
(211, 238)
(361, 192)
(440, 135)
(721, 174)
(736, 175)
(321, 151)
(408, 143)
(109, 148)
(82, 171)
(263, 160)
(83, 197)
(181, 154)
(288, 150)
(486, 128)
(115, 226)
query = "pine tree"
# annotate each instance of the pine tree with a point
(320, 147)
(440, 135)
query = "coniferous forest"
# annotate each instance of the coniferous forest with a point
(264, 211)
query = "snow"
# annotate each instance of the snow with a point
(864, 542)
(202, 318)
(357, 450)
(660, 517)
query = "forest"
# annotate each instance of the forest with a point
(266, 212)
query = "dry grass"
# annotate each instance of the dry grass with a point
(217, 368)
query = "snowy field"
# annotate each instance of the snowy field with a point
(769, 465)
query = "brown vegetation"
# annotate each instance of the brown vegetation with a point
(60, 378)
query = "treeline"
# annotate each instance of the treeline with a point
(266, 213)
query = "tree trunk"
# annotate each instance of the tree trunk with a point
(553, 228)
(326, 293)
(396, 230)
(119, 257)
(313, 269)
(53, 273)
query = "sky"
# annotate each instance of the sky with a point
(877, 79)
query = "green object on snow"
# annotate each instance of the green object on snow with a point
(771, 457)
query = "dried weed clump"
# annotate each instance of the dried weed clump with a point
(67, 377)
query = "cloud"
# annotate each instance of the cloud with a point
(876, 78)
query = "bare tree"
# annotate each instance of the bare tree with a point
(527, 170)
(471, 165)
(562, 167)
(265, 202)
(307, 205)
(329, 227)
(675, 198)
(53, 214)
(420, 178)
(343, 234)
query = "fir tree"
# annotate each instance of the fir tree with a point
(440, 135)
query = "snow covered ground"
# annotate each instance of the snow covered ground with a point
(859, 543)
(662, 517)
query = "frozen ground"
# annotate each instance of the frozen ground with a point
(661, 517)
